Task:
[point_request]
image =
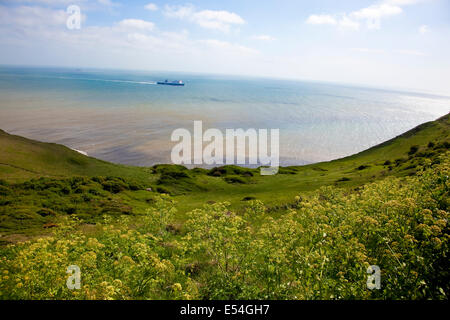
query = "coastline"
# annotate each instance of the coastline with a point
(130, 123)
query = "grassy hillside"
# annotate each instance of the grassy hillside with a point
(41, 182)
(320, 248)
(309, 232)
(22, 159)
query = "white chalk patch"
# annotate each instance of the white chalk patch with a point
(82, 152)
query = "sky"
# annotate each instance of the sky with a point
(400, 44)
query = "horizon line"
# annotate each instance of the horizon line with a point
(295, 79)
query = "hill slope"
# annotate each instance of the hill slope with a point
(22, 158)
(25, 203)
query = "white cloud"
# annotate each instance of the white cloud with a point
(375, 13)
(343, 22)
(321, 19)
(86, 5)
(137, 24)
(372, 15)
(424, 29)
(47, 2)
(211, 19)
(180, 12)
(32, 17)
(151, 7)
(264, 37)
(127, 43)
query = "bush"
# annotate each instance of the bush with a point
(231, 170)
(235, 180)
(399, 161)
(413, 150)
(4, 191)
(282, 170)
(318, 248)
(114, 185)
(44, 212)
(162, 190)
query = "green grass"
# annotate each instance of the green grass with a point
(313, 236)
(320, 248)
(22, 160)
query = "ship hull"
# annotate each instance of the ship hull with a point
(171, 84)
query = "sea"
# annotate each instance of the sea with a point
(125, 117)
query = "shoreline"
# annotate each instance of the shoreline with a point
(209, 167)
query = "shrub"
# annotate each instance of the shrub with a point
(44, 212)
(282, 170)
(235, 180)
(162, 190)
(231, 170)
(399, 161)
(413, 150)
(4, 191)
(114, 185)
(318, 248)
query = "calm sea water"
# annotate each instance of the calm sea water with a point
(124, 117)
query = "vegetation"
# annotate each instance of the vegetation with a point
(167, 232)
(319, 249)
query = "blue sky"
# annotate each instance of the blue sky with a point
(400, 44)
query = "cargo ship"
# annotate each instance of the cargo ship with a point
(171, 83)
